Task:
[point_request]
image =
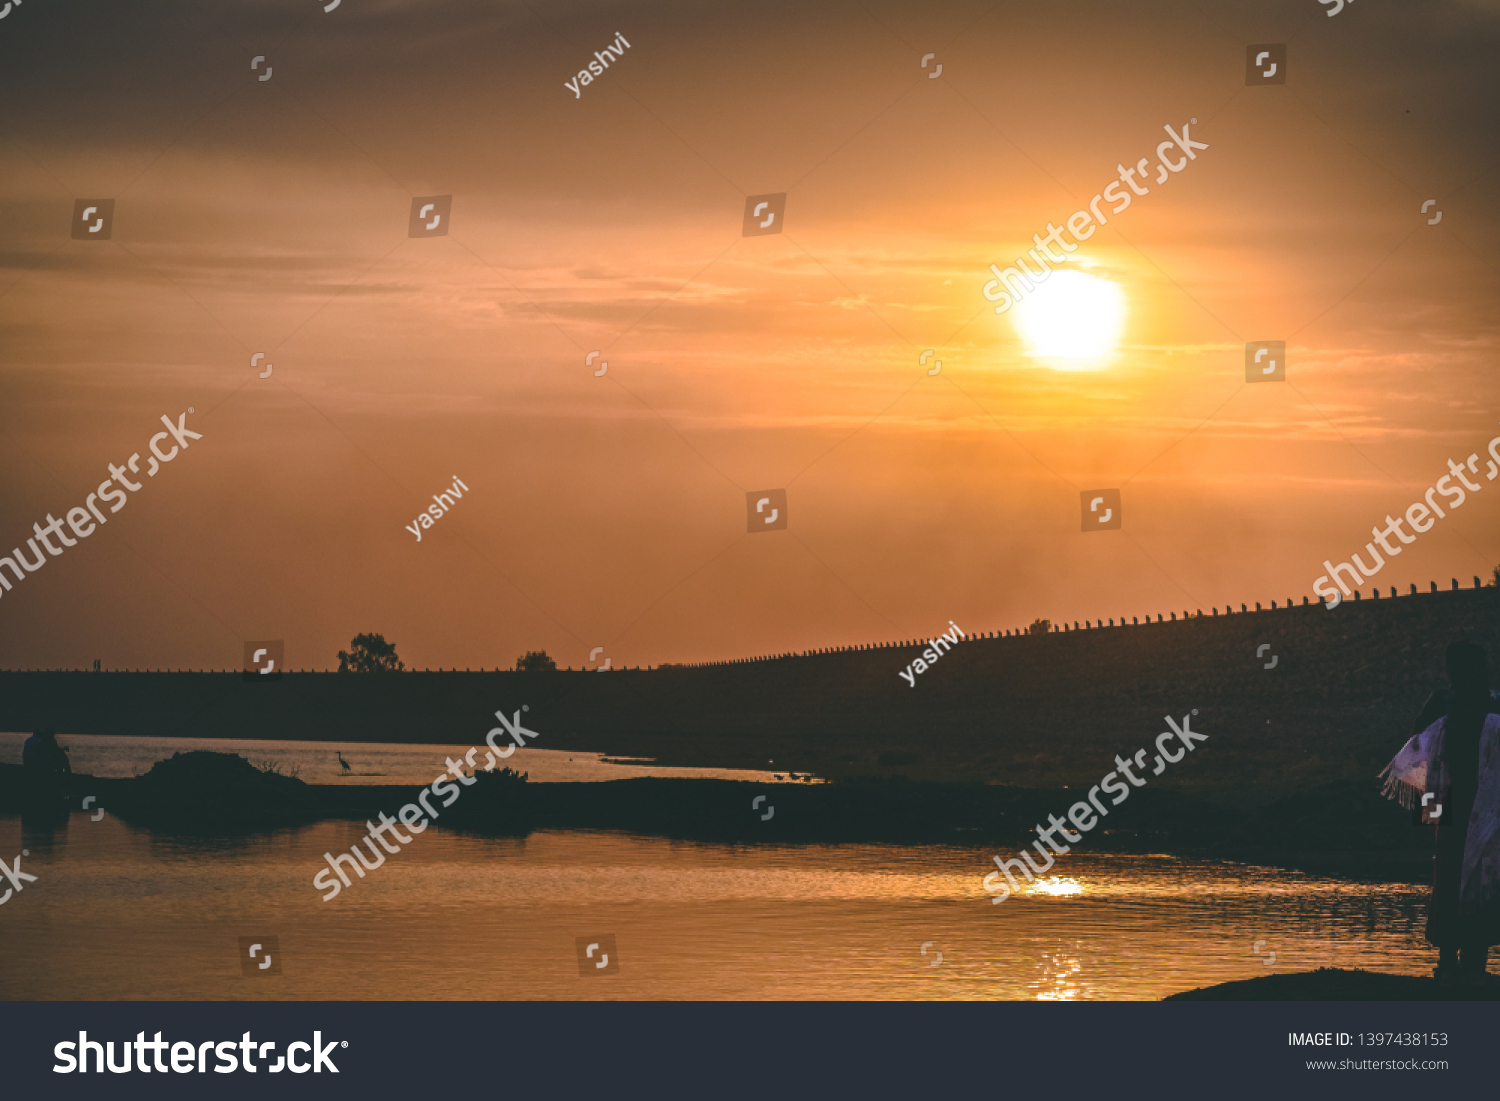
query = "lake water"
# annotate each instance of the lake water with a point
(114, 756)
(121, 913)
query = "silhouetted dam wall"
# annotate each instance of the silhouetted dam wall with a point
(1027, 709)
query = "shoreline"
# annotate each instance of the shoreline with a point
(1342, 831)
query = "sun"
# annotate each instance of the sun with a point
(1073, 319)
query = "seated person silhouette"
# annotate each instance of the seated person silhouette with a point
(41, 755)
(46, 766)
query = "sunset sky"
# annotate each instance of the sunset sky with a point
(271, 216)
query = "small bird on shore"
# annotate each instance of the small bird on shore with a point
(343, 762)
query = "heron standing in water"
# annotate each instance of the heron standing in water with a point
(342, 761)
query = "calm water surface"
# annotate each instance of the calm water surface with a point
(121, 913)
(124, 756)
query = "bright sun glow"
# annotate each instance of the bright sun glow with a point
(1072, 318)
(1056, 885)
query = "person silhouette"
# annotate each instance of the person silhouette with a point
(343, 762)
(47, 770)
(41, 756)
(1452, 765)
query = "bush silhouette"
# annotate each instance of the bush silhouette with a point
(370, 654)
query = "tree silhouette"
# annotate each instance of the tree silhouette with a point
(536, 661)
(370, 654)
(1039, 627)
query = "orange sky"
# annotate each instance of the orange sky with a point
(271, 216)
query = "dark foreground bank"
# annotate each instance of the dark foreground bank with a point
(1332, 985)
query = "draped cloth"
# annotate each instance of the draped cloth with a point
(1420, 769)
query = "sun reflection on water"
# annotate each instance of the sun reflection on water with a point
(1057, 982)
(1056, 885)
